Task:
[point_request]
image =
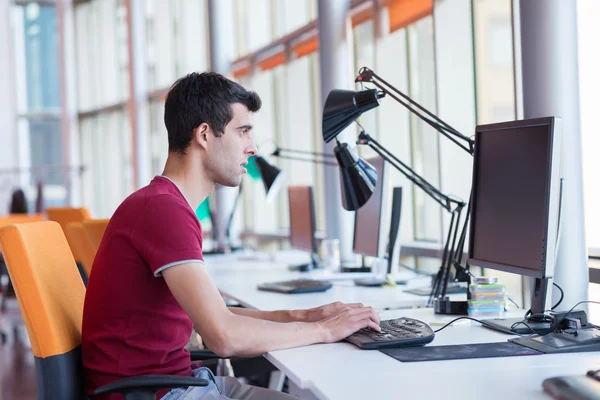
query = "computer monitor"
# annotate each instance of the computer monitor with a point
(516, 202)
(302, 222)
(370, 223)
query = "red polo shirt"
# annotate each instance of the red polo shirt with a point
(132, 324)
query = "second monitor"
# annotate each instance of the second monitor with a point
(303, 224)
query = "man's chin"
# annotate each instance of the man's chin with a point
(230, 182)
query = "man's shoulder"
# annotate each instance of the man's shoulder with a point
(158, 192)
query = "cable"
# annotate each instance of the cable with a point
(482, 323)
(562, 295)
(544, 317)
(512, 301)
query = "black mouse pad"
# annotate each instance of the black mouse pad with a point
(459, 352)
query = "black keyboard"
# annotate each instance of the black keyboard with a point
(296, 286)
(399, 332)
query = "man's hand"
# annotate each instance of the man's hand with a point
(319, 313)
(347, 321)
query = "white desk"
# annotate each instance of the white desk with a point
(237, 280)
(342, 371)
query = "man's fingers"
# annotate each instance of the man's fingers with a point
(372, 325)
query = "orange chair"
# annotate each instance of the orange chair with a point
(77, 236)
(95, 228)
(66, 215)
(7, 291)
(20, 218)
(50, 294)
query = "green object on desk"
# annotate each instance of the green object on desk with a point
(252, 169)
(203, 210)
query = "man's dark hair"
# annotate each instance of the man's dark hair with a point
(203, 97)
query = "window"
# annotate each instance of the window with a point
(424, 139)
(495, 81)
(39, 127)
(176, 40)
(102, 75)
(107, 153)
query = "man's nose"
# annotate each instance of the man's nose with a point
(252, 150)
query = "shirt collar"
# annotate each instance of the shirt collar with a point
(171, 180)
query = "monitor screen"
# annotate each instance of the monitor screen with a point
(514, 211)
(369, 228)
(302, 218)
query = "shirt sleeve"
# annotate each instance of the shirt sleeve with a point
(166, 234)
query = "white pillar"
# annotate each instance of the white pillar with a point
(335, 67)
(8, 122)
(551, 88)
(138, 91)
(68, 84)
(221, 54)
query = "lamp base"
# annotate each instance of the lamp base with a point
(356, 268)
(222, 251)
(443, 305)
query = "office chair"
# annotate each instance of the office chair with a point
(64, 216)
(51, 295)
(75, 233)
(7, 290)
(94, 229)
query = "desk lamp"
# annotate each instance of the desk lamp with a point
(271, 177)
(343, 107)
(358, 176)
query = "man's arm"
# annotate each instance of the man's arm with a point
(275, 316)
(310, 315)
(228, 334)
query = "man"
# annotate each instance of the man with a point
(149, 285)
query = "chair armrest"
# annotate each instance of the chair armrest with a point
(202, 354)
(148, 384)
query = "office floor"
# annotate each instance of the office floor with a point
(17, 367)
(17, 373)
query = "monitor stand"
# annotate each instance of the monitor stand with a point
(567, 341)
(356, 268)
(512, 324)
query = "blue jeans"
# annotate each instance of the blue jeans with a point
(223, 388)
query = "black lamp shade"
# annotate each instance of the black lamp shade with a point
(343, 107)
(358, 178)
(270, 175)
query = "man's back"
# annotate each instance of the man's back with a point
(132, 324)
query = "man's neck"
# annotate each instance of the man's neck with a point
(189, 177)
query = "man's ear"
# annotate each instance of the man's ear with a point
(202, 134)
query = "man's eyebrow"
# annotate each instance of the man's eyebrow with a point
(249, 127)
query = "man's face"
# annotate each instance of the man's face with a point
(228, 154)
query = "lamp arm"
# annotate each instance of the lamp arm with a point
(442, 199)
(279, 150)
(314, 160)
(367, 75)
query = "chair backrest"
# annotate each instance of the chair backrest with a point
(11, 219)
(95, 228)
(50, 294)
(64, 216)
(77, 236)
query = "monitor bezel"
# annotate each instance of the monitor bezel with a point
(554, 125)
